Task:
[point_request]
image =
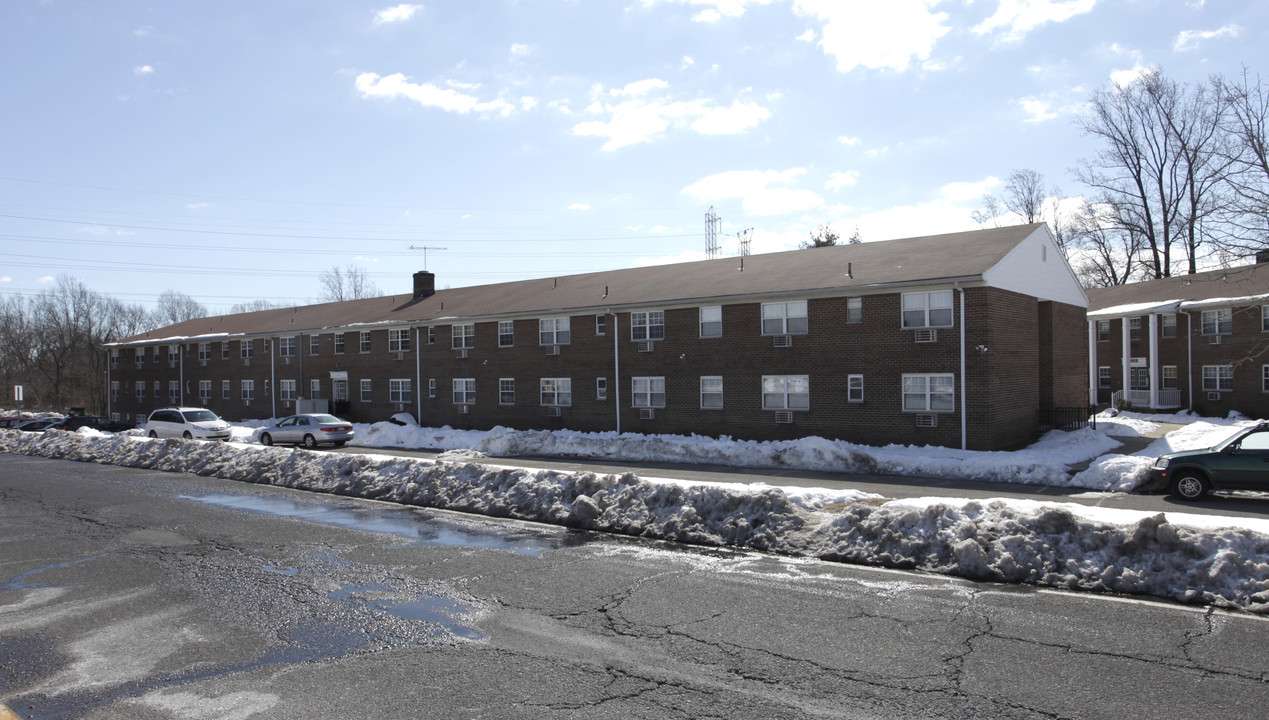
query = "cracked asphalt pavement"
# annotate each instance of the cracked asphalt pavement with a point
(136, 594)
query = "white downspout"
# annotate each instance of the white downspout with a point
(964, 395)
(418, 375)
(1154, 361)
(1125, 360)
(273, 378)
(1093, 378)
(1189, 358)
(616, 370)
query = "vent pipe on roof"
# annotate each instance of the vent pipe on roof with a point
(424, 284)
(849, 274)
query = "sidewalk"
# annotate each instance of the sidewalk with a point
(1132, 445)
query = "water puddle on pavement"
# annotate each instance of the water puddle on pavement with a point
(19, 582)
(415, 525)
(445, 612)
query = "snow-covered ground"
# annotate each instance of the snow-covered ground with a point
(1182, 556)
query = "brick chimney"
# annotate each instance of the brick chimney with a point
(1262, 256)
(424, 284)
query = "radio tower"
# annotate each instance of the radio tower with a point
(745, 236)
(711, 233)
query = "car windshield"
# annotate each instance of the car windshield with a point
(1233, 439)
(326, 419)
(199, 415)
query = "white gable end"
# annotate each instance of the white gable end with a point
(1036, 267)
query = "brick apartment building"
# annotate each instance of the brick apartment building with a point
(960, 340)
(1198, 342)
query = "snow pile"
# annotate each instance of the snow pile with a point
(1065, 545)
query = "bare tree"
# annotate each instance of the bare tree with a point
(855, 238)
(1102, 253)
(175, 307)
(822, 236)
(349, 283)
(990, 212)
(253, 306)
(1025, 194)
(1247, 123)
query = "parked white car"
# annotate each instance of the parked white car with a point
(190, 423)
(309, 430)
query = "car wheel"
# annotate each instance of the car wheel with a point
(339, 443)
(1190, 485)
(266, 439)
(187, 435)
(153, 434)
(310, 442)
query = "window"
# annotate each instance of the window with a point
(784, 318)
(711, 392)
(601, 324)
(399, 390)
(399, 340)
(226, 389)
(557, 392)
(1264, 378)
(224, 350)
(506, 333)
(929, 393)
(553, 331)
(158, 389)
(431, 387)
(139, 390)
(173, 353)
(1218, 377)
(464, 391)
(138, 355)
(712, 321)
(339, 343)
(601, 388)
(267, 391)
(1103, 376)
(1169, 377)
(854, 310)
(927, 309)
(173, 390)
(431, 335)
(1218, 322)
(340, 390)
(1264, 318)
(286, 347)
(647, 325)
(647, 392)
(786, 392)
(1134, 328)
(365, 342)
(204, 351)
(248, 389)
(286, 390)
(204, 390)
(855, 388)
(366, 391)
(246, 348)
(315, 388)
(1139, 378)
(1167, 325)
(114, 389)
(314, 344)
(506, 391)
(463, 336)
(1103, 331)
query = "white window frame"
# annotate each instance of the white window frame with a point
(248, 389)
(1264, 378)
(204, 351)
(314, 344)
(925, 304)
(1103, 331)
(786, 392)
(1168, 378)
(398, 340)
(139, 390)
(399, 390)
(247, 349)
(286, 389)
(506, 391)
(339, 343)
(785, 318)
(1103, 376)
(1218, 322)
(647, 392)
(1218, 378)
(315, 388)
(554, 331)
(601, 388)
(366, 389)
(929, 392)
(647, 325)
(462, 336)
(204, 390)
(710, 321)
(464, 391)
(1134, 328)
(114, 389)
(506, 333)
(226, 389)
(224, 350)
(854, 310)
(855, 388)
(286, 346)
(173, 353)
(174, 390)
(555, 392)
(601, 325)
(1264, 318)
(364, 344)
(1167, 325)
(711, 386)
(431, 387)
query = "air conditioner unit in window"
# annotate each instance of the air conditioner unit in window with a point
(926, 335)
(286, 361)
(1213, 396)
(553, 411)
(782, 341)
(1214, 339)
(462, 353)
(171, 363)
(203, 363)
(927, 421)
(645, 346)
(398, 355)
(246, 361)
(462, 409)
(784, 417)
(647, 414)
(552, 349)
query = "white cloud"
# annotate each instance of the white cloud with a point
(848, 140)
(759, 191)
(708, 15)
(6, 279)
(143, 70)
(46, 280)
(1042, 109)
(1188, 40)
(143, 31)
(1013, 19)
(687, 62)
(839, 180)
(520, 49)
(876, 35)
(968, 191)
(579, 206)
(1125, 77)
(371, 85)
(397, 13)
(197, 205)
(636, 113)
(808, 36)
(715, 10)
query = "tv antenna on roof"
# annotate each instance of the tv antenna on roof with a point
(745, 236)
(711, 233)
(425, 248)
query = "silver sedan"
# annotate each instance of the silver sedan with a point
(308, 430)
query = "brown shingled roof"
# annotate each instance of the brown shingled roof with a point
(933, 258)
(1243, 281)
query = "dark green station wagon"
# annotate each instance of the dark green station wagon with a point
(1240, 462)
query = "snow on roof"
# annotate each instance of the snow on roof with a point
(1225, 302)
(1135, 309)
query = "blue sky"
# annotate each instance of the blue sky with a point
(235, 150)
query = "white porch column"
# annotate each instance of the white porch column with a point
(1153, 351)
(1126, 358)
(1092, 363)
